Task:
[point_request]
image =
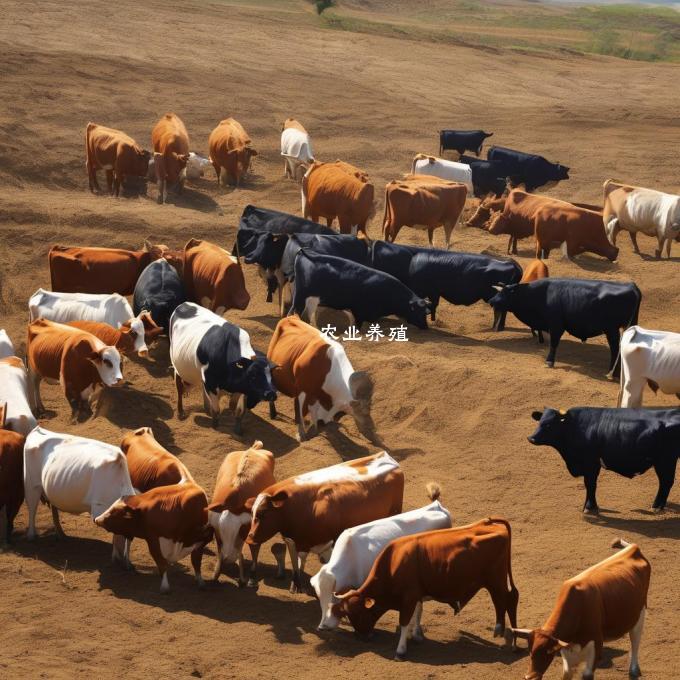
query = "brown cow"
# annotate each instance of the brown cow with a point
(242, 476)
(213, 278)
(339, 190)
(602, 603)
(536, 269)
(11, 475)
(123, 338)
(311, 510)
(446, 565)
(113, 151)
(170, 141)
(423, 201)
(230, 149)
(81, 363)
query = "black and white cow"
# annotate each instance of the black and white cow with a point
(627, 441)
(583, 308)
(366, 293)
(159, 290)
(209, 351)
(489, 177)
(462, 140)
(530, 169)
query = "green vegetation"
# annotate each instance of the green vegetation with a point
(321, 5)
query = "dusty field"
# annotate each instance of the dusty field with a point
(453, 404)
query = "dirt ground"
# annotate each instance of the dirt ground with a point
(453, 404)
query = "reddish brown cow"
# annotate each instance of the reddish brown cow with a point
(536, 269)
(230, 149)
(113, 151)
(11, 475)
(123, 338)
(339, 190)
(170, 141)
(213, 278)
(446, 565)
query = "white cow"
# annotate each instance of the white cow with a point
(296, 149)
(635, 209)
(357, 548)
(75, 475)
(648, 358)
(196, 166)
(112, 309)
(14, 393)
(438, 167)
(6, 346)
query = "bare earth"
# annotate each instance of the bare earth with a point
(453, 404)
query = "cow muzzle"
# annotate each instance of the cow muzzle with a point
(531, 440)
(143, 352)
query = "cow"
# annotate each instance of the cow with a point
(583, 308)
(462, 140)
(311, 510)
(535, 270)
(123, 338)
(489, 177)
(159, 291)
(602, 603)
(209, 351)
(277, 222)
(423, 164)
(14, 393)
(11, 474)
(230, 149)
(357, 548)
(532, 170)
(367, 294)
(99, 270)
(81, 363)
(6, 346)
(213, 277)
(624, 440)
(170, 141)
(313, 369)
(636, 209)
(421, 202)
(196, 166)
(446, 565)
(338, 190)
(241, 477)
(172, 519)
(116, 153)
(296, 148)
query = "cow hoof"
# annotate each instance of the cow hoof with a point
(498, 630)
(550, 364)
(418, 638)
(241, 584)
(634, 672)
(295, 589)
(593, 512)
(181, 415)
(399, 657)
(658, 511)
(252, 583)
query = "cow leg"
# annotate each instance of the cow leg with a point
(252, 576)
(310, 310)
(118, 547)
(665, 471)
(448, 230)
(657, 252)
(555, 337)
(635, 639)
(161, 563)
(161, 199)
(117, 181)
(433, 309)
(57, 524)
(92, 177)
(95, 400)
(32, 496)
(237, 403)
(669, 243)
(430, 236)
(589, 657)
(218, 562)
(498, 320)
(196, 561)
(297, 407)
(614, 341)
(4, 524)
(109, 181)
(296, 584)
(272, 410)
(406, 616)
(590, 482)
(34, 380)
(179, 386)
(417, 629)
(211, 404)
(279, 552)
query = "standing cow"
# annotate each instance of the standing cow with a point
(158, 291)
(11, 474)
(529, 169)
(231, 150)
(296, 148)
(170, 141)
(462, 140)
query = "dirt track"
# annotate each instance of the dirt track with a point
(453, 404)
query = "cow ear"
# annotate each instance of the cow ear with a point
(563, 414)
(537, 415)
(369, 602)
(248, 505)
(278, 499)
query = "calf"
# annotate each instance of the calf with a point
(624, 440)
(451, 171)
(462, 140)
(230, 149)
(448, 565)
(296, 148)
(530, 169)
(14, 393)
(208, 351)
(11, 474)
(159, 291)
(170, 141)
(602, 603)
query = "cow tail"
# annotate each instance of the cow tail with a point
(506, 524)
(636, 313)
(631, 322)
(238, 252)
(386, 212)
(434, 491)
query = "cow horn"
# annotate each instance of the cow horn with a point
(522, 633)
(340, 596)
(562, 412)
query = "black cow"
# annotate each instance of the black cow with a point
(529, 169)
(627, 441)
(159, 290)
(489, 177)
(462, 140)
(583, 308)
(395, 259)
(339, 245)
(341, 284)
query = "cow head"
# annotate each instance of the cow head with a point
(499, 223)
(134, 329)
(140, 161)
(542, 647)
(361, 611)
(156, 252)
(121, 518)
(561, 172)
(417, 312)
(245, 157)
(506, 297)
(107, 362)
(361, 390)
(268, 250)
(126, 340)
(252, 377)
(231, 527)
(555, 428)
(267, 513)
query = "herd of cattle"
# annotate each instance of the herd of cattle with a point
(374, 556)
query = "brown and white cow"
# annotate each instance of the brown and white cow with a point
(113, 151)
(11, 475)
(446, 565)
(230, 150)
(311, 510)
(213, 278)
(536, 269)
(602, 603)
(338, 190)
(81, 363)
(241, 477)
(123, 338)
(422, 201)
(170, 141)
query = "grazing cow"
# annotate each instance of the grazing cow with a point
(209, 351)
(583, 308)
(635, 209)
(99, 270)
(159, 291)
(366, 293)
(489, 177)
(447, 565)
(438, 167)
(230, 149)
(339, 190)
(11, 474)
(80, 362)
(241, 477)
(173, 520)
(530, 169)
(604, 602)
(15, 395)
(113, 151)
(213, 277)
(624, 440)
(311, 510)
(296, 148)
(462, 140)
(419, 201)
(357, 548)
(170, 141)
(535, 270)
(123, 338)
(315, 372)
(6, 346)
